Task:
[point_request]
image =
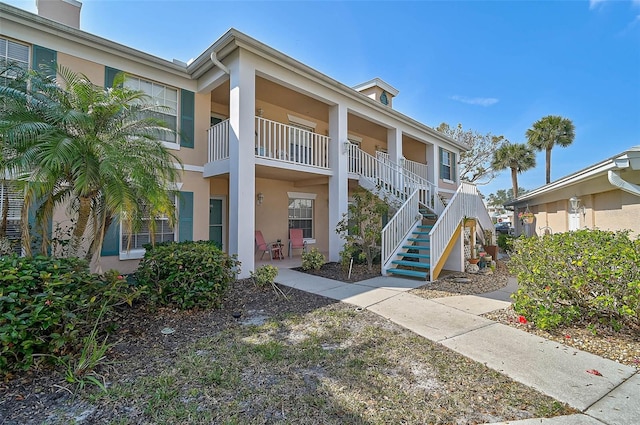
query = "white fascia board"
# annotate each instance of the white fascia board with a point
(616, 162)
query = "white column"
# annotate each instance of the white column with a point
(394, 144)
(394, 148)
(242, 193)
(338, 182)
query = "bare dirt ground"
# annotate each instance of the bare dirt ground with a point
(266, 359)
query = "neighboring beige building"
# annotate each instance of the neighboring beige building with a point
(267, 144)
(603, 196)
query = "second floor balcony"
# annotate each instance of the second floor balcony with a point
(280, 144)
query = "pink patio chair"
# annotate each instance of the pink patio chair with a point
(261, 245)
(296, 240)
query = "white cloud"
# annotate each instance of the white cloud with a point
(594, 3)
(482, 101)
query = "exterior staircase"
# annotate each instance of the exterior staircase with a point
(414, 259)
(419, 237)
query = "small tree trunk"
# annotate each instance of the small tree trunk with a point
(548, 165)
(514, 182)
(84, 211)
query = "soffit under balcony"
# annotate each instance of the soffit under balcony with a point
(300, 177)
(366, 128)
(283, 97)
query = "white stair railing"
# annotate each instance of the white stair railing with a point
(426, 188)
(392, 180)
(399, 228)
(464, 203)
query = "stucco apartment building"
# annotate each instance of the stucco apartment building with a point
(605, 195)
(267, 142)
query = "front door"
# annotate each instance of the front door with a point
(216, 221)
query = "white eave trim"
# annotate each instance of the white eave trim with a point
(617, 162)
(380, 83)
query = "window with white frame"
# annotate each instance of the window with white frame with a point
(13, 53)
(11, 201)
(132, 244)
(161, 95)
(447, 165)
(301, 215)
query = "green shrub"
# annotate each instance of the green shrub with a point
(505, 242)
(48, 304)
(186, 274)
(590, 276)
(312, 259)
(264, 275)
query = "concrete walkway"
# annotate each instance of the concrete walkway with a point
(551, 368)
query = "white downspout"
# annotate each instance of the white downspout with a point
(616, 180)
(216, 62)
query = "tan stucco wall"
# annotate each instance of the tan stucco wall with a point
(94, 71)
(414, 150)
(611, 210)
(272, 215)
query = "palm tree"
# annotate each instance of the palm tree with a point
(69, 142)
(518, 157)
(550, 131)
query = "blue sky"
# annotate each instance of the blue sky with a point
(493, 66)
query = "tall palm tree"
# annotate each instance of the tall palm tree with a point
(96, 150)
(517, 156)
(550, 131)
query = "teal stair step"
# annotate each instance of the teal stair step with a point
(418, 239)
(411, 264)
(410, 273)
(425, 226)
(413, 255)
(418, 247)
(421, 233)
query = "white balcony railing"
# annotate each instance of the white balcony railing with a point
(416, 168)
(218, 136)
(276, 141)
(287, 143)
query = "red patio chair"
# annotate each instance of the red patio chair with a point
(261, 245)
(296, 240)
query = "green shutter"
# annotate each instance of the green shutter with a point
(45, 60)
(34, 230)
(454, 176)
(187, 112)
(109, 76)
(185, 217)
(111, 241)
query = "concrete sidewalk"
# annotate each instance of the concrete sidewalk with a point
(549, 367)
